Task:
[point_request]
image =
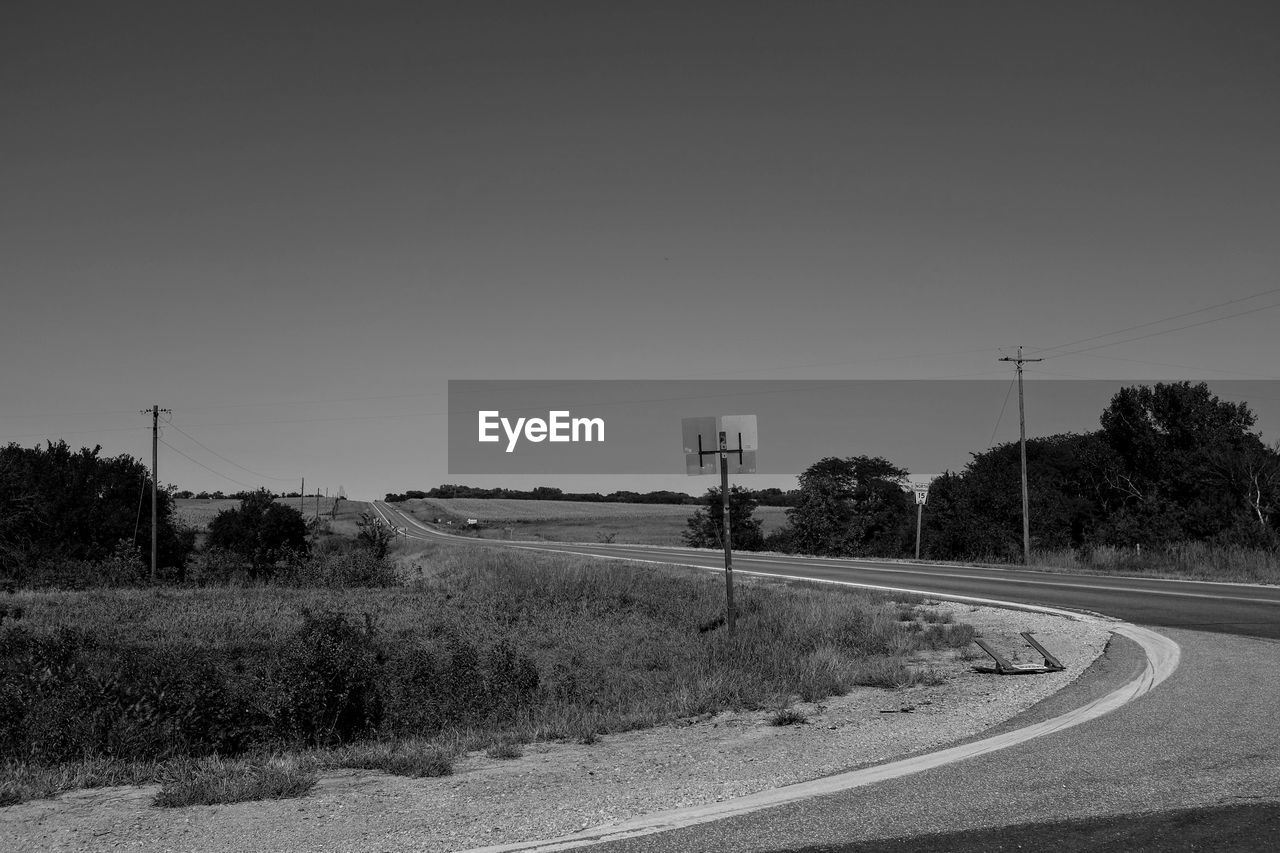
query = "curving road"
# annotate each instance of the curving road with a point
(1204, 741)
(1221, 608)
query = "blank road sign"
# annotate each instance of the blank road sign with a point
(740, 427)
(704, 434)
(699, 434)
(747, 465)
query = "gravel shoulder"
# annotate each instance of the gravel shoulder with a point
(559, 788)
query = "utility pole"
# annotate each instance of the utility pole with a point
(1022, 444)
(155, 477)
(728, 538)
(709, 437)
(302, 498)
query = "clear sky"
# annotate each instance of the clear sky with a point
(292, 224)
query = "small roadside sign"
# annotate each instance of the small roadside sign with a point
(702, 443)
(922, 492)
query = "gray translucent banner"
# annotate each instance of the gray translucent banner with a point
(635, 426)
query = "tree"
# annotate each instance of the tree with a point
(979, 513)
(848, 507)
(374, 535)
(261, 531)
(57, 504)
(1250, 481)
(1177, 467)
(706, 527)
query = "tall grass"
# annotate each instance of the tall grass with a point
(1196, 560)
(485, 647)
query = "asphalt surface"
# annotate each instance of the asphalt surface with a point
(1246, 610)
(1204, 738)
(1200, 752)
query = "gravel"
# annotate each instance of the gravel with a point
(556, 789)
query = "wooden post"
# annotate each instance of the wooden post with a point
(728, 536)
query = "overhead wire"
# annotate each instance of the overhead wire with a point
(229, 461)
(1180, 366)
(1003, 406)
(202, 465)
(1162, 320)
(1161, 332)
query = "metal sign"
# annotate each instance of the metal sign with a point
(702, 444)
(700, 434)
(922, 492)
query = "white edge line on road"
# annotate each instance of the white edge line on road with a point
(848, 563)
(1163, 656)
(1162, 659)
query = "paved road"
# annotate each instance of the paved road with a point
(1205, 738)
(1221, 608)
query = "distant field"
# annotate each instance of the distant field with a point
(197, 513)
(573, 521)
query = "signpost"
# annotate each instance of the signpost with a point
(922, 495)
(729, 443)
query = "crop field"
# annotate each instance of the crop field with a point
(197, 513)
(573, 521)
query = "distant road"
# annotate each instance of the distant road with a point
(1223, 608)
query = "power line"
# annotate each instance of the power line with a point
(1180, 366)
(225, 459)
(367, 398)
(1158, 322)
(1163, 331)
(1003, 406)
(69, 414)
(75, 432)
(1070, 375)
(204, 466)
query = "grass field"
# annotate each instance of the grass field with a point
(206, 689)
(197, 513)
(573, 521)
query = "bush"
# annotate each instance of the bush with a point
(261, 531)
(787, 717)
(413, 759)
(213, 781)
(339, 570)
(329, 680)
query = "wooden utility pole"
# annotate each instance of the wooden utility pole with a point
(728, 537)
(302, 499)
(155, 478)
(1022, 444)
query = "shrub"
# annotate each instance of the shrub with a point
(329, 680)
(212, 781)
(413, 759)
(504, 749)
(787, 717)
(339, 571)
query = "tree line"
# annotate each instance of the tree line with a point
(763, 497)
(74, 518)
(1170, 463)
